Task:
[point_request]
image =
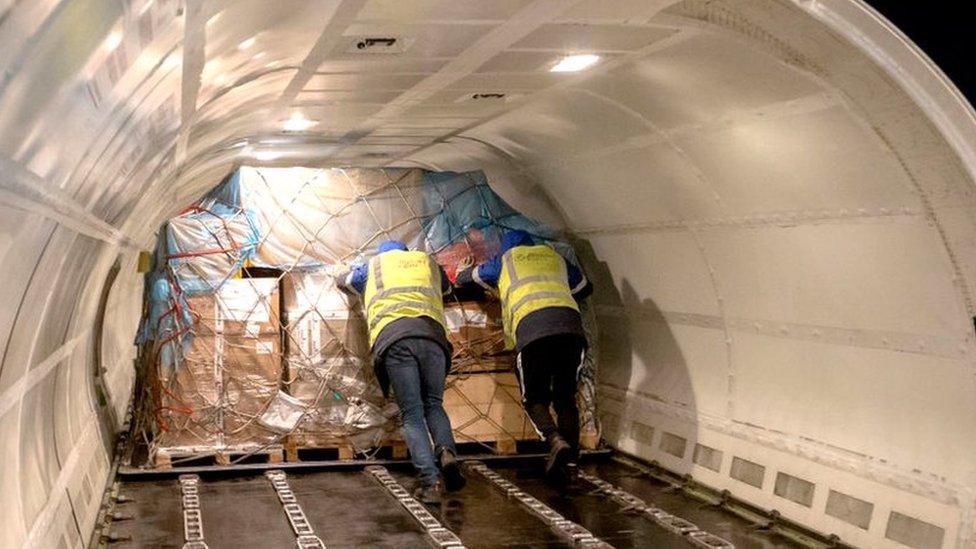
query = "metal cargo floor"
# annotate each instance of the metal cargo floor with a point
(354, 509)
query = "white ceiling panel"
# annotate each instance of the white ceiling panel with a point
(423, 41)
(570, 37)
(379, 64)
(512, 81)
(361, 95)
(353, 82)
(521, 61)
(438, 10)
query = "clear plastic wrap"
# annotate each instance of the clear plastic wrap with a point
(256, 348)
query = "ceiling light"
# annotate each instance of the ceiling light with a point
(113, 41)
(574, 63)
(266, 156)
(260, 55)
(171, 61)
(298, 123)
(273, 64)
(246, 44)
(213, 19)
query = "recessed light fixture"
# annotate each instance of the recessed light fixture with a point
(259, 55)
(246, 44)
(574, 63)
(298, 123)
(171, 61)
(113, 41)
(266, 155)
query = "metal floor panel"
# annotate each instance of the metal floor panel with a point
(594, 512)
(483, 517)
(349, 509)
(711, 519)
(243, 512)
(157, 515)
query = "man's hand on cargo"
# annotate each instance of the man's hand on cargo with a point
(340, 282)
(487, 274)
(351, 279)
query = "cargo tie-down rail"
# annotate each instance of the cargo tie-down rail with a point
(580, 536)
(439, 535)
(192, 517)
(305, 537)
(678, 525)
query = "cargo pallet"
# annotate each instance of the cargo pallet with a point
(300, 447)
(170, 458)
(297, 448)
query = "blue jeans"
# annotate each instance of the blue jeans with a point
(417, 369)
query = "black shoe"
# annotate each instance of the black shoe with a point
(560, 453)
(451, 469)
(570, 474)
(429, 494)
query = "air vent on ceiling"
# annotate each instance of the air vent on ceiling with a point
(485, 97)
(378, 44)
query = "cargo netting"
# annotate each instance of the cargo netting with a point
(249, 346)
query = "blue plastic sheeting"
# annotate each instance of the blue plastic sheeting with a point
(457, 205)
(166, 323)
(206, 247)
(227, 194)
(210, 243)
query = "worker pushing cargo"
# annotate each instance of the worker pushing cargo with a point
(541, 319)
(403, 295)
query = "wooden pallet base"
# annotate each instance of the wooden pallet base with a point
(299, 449)
(504, 447)
(173, 458)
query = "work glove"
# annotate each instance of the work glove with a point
(465, 264)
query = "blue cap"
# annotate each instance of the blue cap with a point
(389, 245)
(515, 238)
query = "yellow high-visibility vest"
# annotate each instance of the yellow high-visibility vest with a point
(532, 278)
(402, 284)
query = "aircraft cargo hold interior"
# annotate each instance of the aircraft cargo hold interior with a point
(772, 201)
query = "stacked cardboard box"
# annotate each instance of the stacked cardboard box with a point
(189, 407)
(240, 358)
(327, 359)
(483, 398)
(230, 370)
(475, 332)
(488, 407)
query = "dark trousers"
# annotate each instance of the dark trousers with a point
(548, 371)
(417, 369)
